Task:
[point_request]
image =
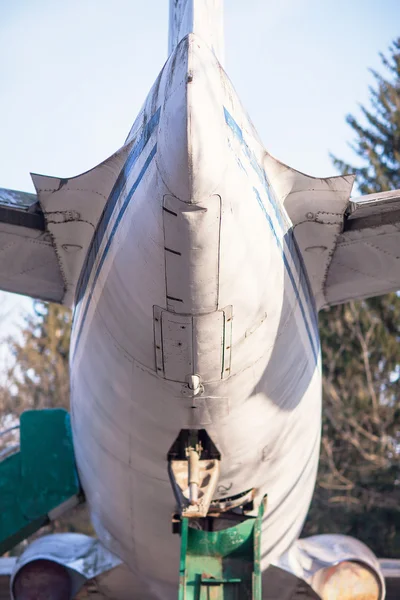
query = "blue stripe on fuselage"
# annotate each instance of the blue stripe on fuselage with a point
(289, 272)
(102, 226)
(287, 234)
(112, 234)
(111, 203)
(98, 237)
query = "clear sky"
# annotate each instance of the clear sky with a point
(74, 75)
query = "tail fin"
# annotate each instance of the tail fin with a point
(202, 17)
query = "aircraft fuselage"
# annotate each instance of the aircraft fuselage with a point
(193, 270)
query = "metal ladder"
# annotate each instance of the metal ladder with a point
(40, 481)
(221, 565)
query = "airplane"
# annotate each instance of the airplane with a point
(196, 264)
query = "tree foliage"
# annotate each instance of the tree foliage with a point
(358, 487)
(377, 142)
(40, 376)
(38, 379)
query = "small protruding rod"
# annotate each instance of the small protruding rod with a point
(194, 475)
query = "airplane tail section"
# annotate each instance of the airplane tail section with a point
(201, 17)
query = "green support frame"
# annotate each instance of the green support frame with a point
(221, 565)
(39, 478)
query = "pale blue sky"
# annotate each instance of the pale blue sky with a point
(74, 75)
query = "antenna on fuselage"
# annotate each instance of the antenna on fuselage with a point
(201, 17)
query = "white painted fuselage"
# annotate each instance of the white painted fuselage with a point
(193, 270)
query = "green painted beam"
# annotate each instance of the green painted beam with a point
(222, 565)
(39, 478)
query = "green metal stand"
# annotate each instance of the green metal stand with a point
(39, 478)
(221, 565)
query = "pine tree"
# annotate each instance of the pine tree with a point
(358, 486)
(377, 141)
(40, 377)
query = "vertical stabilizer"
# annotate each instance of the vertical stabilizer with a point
(202, 17)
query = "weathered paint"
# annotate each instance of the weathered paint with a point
(38, 478)
(187, 280)
(205, 19)
(17, 199)
(221, 564)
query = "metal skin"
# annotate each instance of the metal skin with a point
(196, 303)
(195, 272)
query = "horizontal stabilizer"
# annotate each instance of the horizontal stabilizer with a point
(366, 260)
(28, 260)
(316, 207)
(72, 208)
(374, 207)
(44, 237)
(350, 247)
(16, 199)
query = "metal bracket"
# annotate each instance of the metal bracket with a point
(194, 467)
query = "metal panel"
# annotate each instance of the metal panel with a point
(372, 205)
(187, 345)
(28, 263)
(208, 410)
(22, 218)
(72, 208)
(14, 198)
(366, 260)
(208, 338)
(365, 263)
(177, 346)
(158, 341)
(192, 235)
(227, 341)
